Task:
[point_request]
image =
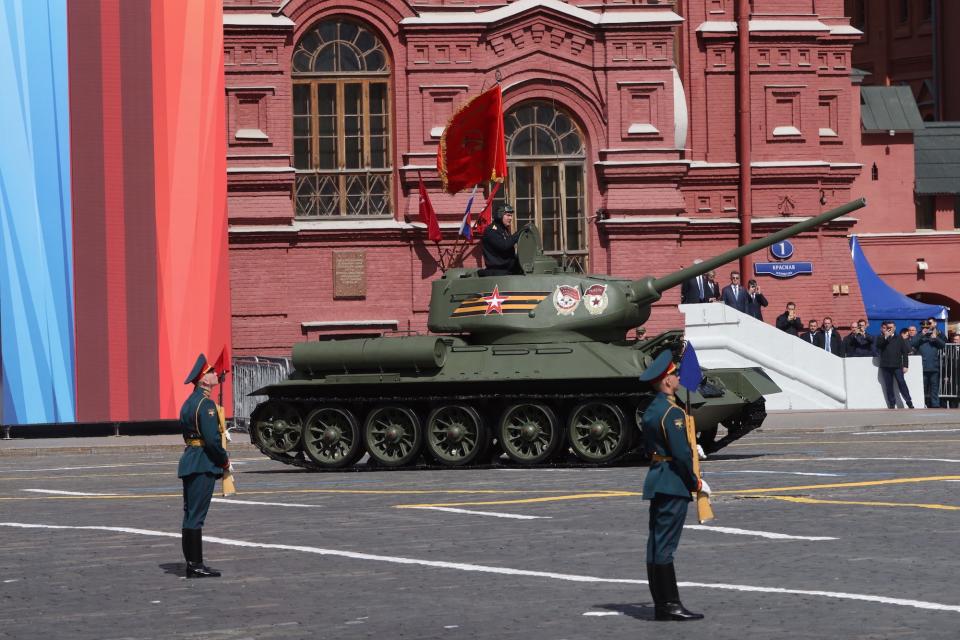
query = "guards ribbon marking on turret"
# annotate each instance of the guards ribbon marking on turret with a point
(482, 304)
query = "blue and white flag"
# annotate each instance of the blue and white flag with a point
(465, 230)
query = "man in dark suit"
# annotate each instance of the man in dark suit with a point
(755, 300)
(202, 462)
(858, 342)
(692, 291)
(712, 289)
(789, 321)
(668, 485)
(733, 295)
(828, 339)
(810, 335)
(894, 352)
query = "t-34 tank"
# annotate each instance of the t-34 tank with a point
(533, 365)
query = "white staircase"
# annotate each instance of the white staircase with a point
(810, 377)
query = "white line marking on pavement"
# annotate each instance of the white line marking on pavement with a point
(168, 463)
(602, 613)
(68, 493)
(478, 568)
(779, 473)
(759, 534)
(854, 459)
(884, 433)
(495, 514)
(268, 504)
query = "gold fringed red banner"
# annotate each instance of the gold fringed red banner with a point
(704, 510)
(472, 149)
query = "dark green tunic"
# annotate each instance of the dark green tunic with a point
(668, 484)
(199, 467)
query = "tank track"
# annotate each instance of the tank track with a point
(750, 418)
(746, 421)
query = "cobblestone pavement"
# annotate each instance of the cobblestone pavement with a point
(832, 535)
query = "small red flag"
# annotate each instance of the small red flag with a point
(486, 216)
(472, 149)
(428, 216)
(220, 365)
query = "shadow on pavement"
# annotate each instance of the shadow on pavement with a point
(634, 610)
(174, 568)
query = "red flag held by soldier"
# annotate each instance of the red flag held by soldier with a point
(472, 148)
(428, 216)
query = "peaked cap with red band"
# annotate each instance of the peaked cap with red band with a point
(200, 367)
(660, 368)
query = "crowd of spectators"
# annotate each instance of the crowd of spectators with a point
(892, 348)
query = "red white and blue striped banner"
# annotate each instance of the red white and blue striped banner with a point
(113, 238)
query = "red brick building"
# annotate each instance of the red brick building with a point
(624, 146)
(912, 238)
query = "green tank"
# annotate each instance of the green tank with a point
(534, 366)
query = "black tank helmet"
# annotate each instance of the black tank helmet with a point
(502, 211)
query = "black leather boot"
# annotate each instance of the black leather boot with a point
(184, 543)
(670, 608)
(653, 584)
(195, 566)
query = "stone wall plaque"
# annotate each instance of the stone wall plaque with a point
(349, 274)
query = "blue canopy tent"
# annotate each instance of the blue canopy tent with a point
(883, 302)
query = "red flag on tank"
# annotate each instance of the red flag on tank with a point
(486, 216)
(428, 216)
(472, 149)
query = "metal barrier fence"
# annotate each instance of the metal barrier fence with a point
(249, 374)
(950, 375)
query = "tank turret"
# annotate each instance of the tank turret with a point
(532, 367)
(547, 303)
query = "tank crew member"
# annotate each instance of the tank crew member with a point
(668, 486)
(499, 245)
(202, 462)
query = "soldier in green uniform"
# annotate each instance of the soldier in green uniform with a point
(202, 462)
(668, 486)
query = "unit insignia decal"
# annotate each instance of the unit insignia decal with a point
(566, 299)
(596, 299)
(678, 423)
(498, 302)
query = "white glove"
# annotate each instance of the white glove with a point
(704, 487)
(230, 468)
(700, 453)
(228, 436)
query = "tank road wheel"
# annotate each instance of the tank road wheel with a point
(597, 432)
(529, 433)
(455, 434)
(277, 426)
(393, 435)
(331, 437)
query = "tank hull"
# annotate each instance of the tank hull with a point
(584, 395)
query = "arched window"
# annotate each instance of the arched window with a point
(341, 122)
(546, 162)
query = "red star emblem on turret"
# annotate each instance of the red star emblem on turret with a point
(494, 302)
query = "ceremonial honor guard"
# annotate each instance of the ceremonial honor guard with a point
(669, 484)
(203, 461)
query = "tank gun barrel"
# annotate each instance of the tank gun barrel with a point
(648, 290)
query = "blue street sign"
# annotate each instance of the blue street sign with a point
(782, 269)
(782, 250)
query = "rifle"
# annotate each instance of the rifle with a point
(704, 510)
